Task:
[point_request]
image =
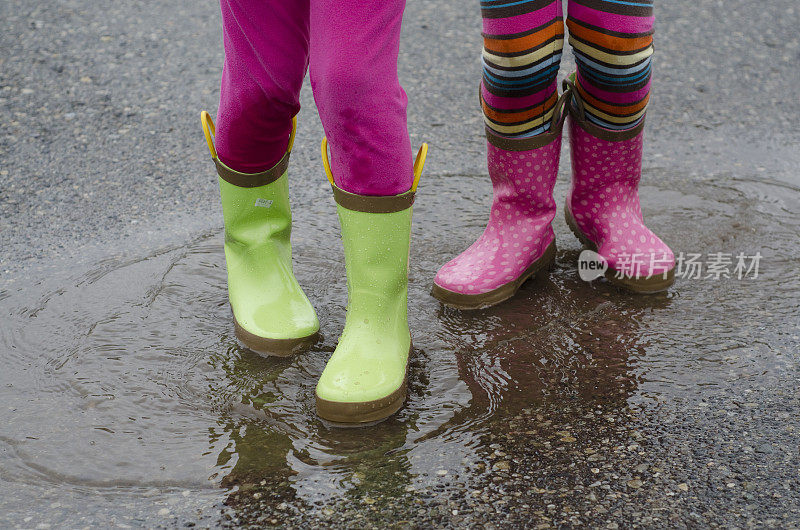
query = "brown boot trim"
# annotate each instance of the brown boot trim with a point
(359, 412)
(252, 180)
(499, 294)
(649, 285)
(521, 144)
(273, 347)
(606, 134)
(528, 144)
(373, 203)
(577, 113)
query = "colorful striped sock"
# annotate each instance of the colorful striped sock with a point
(522, 45)
(613, 45)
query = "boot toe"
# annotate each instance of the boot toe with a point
(466, 276)
(637, 252)
(361, 378)
(364, 380)
(294, 320)
(479, 272)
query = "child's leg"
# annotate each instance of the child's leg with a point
(266, 55)
(521, 54)
(354, 48)
(613, 45)
(522, 44)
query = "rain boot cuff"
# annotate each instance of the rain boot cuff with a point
(540, 140)
(373, 203)
(579, 119)
(577, 113)
(523, 144)
(252, 180)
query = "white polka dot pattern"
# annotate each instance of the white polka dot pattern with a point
(604, 201)
(519, 228)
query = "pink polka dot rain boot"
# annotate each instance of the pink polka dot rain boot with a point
(603, 209)
(518, 241)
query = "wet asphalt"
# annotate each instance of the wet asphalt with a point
(102, 157)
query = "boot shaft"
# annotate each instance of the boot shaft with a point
(256, 216)
(524, 180)
(600, 160)
(376, 254)
(524, 170)
(271, 313)
(376, 234)
(603, 160)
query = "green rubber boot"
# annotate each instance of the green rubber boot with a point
(365, 378)
(271, 313)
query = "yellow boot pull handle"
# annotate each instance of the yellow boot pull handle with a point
(419, 163)
(325, 162)
(291, 136)
(210, 132)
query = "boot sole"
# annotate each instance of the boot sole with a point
(363, 413)
(273, 347)
(499, 294)
(647, 285)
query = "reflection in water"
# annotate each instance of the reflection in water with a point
(273, 458)
(258, 448)
(524, 357)
(571, 348)
(127, 378)
(558, 340)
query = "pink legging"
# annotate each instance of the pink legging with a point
(352, 48)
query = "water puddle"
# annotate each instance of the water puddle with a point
(124, 383)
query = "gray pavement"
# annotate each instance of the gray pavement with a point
(100, 100)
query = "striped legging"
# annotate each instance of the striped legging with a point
(523, 39)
